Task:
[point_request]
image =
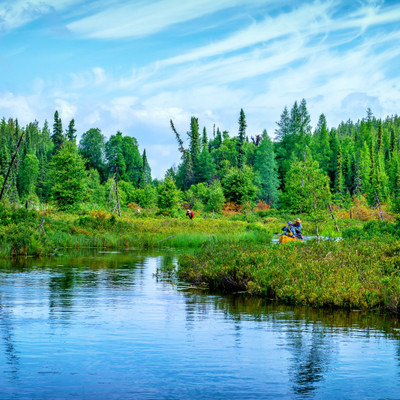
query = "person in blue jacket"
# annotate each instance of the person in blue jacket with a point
(289, 229)
(297, 228)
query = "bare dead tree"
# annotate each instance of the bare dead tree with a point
(333, 217)
(178, 138)
(11, 164)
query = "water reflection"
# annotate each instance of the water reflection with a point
(7, 336)
(110, 323)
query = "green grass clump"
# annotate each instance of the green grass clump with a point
(19, 234)
(348, 274)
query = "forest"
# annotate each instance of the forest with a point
(301, 170)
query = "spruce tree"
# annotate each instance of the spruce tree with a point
(380, 136)
(145, 173)
(57, 137)
(71, 131)
(241, 139)
(320, 145)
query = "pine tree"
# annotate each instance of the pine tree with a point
(241, 139)
(339, 185)
(283, 124)
(57, 137)
(380, 135)
(71, 131)
(320, 145)
(145, 173)
(195, 144)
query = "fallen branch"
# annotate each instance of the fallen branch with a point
(169, 237)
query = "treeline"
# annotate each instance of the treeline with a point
(302, 169)
(50, 166)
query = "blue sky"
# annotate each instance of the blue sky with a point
(134, 65)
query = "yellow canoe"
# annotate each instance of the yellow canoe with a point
(286, 239)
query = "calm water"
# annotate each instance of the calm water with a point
(104, 326)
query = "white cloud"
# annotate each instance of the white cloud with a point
(18, 106)
(66, 110)
(145, 18)
(16, 13)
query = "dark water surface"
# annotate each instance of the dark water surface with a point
(103, 326)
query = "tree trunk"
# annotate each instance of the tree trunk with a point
(116, 182)
(333, 217)
(11, 164)
(379, 206)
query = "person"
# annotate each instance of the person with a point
(297, 228)
(189, 214)
(289, 230)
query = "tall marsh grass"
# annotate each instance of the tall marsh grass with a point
(362, 274)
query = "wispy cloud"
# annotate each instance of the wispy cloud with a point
(16, 13)
(140, 19)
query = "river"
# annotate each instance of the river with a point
(109, 326)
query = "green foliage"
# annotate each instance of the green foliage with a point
(307, 189)
(68, 177)
(28, 176)
(214, 198)
(71, 132)
(169, 197)
(238, 185)
(146, 197)
(266, 171)
(241, 139)
(92, 148)
(57, 137)
(95, 192)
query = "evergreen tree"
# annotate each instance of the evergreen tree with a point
(195, 144)
(71, 131)
(283, 125)
(339, 184)
(380, 136)
(320, 146)
(168, 197)
(145, 173)
(266, 170)
(57, 137)
(365, 169)
(133, 160)
(68, 178)
(241, 139)
(205, 168)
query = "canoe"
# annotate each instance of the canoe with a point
(286, 239)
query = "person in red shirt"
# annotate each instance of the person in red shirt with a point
(189, 214)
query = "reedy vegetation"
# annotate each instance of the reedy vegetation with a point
(353, 273)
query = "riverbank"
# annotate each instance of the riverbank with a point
(358, 273)
(29, 232)
(20, 234)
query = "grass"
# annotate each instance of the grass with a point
(19, 231)
(361, 273)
